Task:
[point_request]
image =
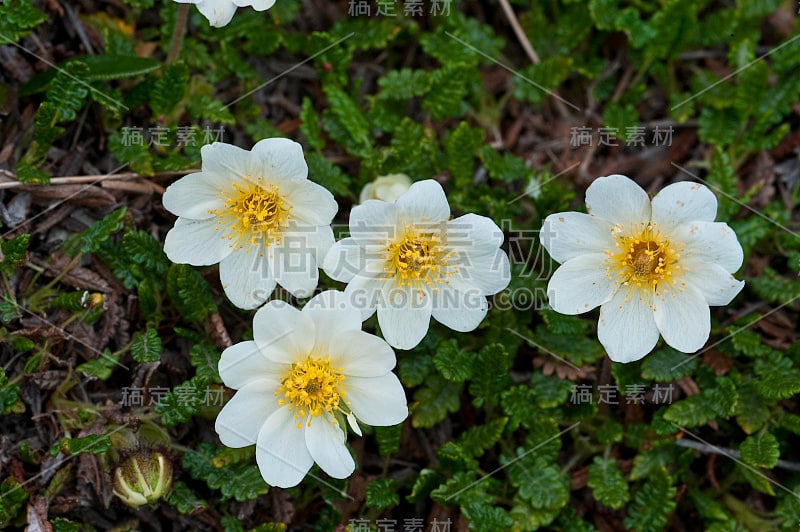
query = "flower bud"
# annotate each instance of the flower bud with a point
(385, 188)
(143, 479)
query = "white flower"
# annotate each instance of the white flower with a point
(303, 373)
(410, 262)
(220, 12)
(256, 213)
(653, 267)
(386, 188)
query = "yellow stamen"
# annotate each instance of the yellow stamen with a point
(312, 387)
(420, 257)
(646, 262)
(254, 215)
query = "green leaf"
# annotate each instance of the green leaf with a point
(760, 450)
(388, 439)
(698, 409)
(13, 253)
(404, 84)
(449, 86)
(349, 115)
(550, 391)
(205, 359)
(607, 483)
(722, 182)
(117, 66)
(100, 367)
(169, 89)
(12, 497)
(461, 146)
(95, 444)
(183, 402)
(667, 365)
(91, 239)
(309, 125)
(10, 402)
(16, 20)
(490, 374)
(240, 481)
(480, 438)
(183, 499)
(752, 413)
(652, 504)
(413, 367)
(146, 347)
(382, 494)
(146, 251)
(427, 480)
(190, 293)
(507, 167)
(452, 362)
(541, 484)
(486, 516)
(779, 379)
(329, 175)
(433, 401)
(618, 118)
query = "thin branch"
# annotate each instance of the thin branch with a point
(724, 451)
(76, 180)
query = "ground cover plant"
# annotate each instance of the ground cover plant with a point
(141, 357)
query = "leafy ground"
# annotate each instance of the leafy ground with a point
(94, 315)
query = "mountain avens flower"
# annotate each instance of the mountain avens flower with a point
(409, 261)
(386, 188)
(143, 478)
(304, 373)
(652, 267)
(257, 215)
(220, 12)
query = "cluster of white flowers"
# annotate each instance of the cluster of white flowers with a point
(653, 267)
(258, 216)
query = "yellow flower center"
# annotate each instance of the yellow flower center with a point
(254, 214)
(645, 261)
(312, 387)
(418, 258)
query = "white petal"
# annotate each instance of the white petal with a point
(228, 162)
(311, 203)
(580, 285)
(281, 451)
(258, 5)
(280, 160)
(332, 314)
(566, 235)
(627, 330)
(240, 420)
(318, 240)
(404, 316)
(424, 201)
(294, 267)
(488, 273)
(717, 286)
(283, 333)
(218, 12)
(373, 223)
(353, 422)
(246, 279)
(365, 293)
(683, 202)
(473, 231)
(618, 199)
(683, 318)
(196, 242)
(361, 354)
(377, 401)
(461, 311)
(713, 242)
(344, 260)
(195, 195)
(325, 442)
(242, 363)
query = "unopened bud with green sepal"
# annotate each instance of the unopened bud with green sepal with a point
(143, 478)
